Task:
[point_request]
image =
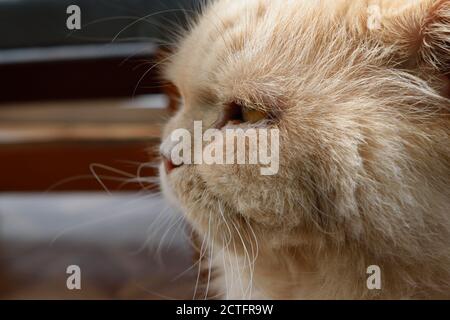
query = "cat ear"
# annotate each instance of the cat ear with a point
(420, 32)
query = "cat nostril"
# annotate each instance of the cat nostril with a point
(169, 166)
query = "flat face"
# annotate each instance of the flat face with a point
(354, 90)
(316, 71)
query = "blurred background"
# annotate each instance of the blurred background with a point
(80, 119)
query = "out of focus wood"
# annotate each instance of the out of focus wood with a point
(79, 132)
(80, 146)
(74, 166)
(79, 79)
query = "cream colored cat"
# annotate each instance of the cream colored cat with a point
(360, 93)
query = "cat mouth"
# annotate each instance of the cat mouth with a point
(169, 166)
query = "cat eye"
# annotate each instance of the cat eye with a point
(253, 116)
(236, 113)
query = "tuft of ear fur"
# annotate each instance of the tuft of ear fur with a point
(435, 50)
(420, 31)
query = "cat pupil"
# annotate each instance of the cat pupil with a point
(233, 113)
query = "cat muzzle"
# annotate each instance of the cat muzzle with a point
(169, 166)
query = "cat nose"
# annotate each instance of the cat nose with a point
(169, 166)
(165, 150)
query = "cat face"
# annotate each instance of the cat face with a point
(352, 105)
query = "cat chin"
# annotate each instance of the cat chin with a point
(177, 198)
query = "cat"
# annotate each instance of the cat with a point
(359, 91)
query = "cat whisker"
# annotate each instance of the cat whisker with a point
(202, 253)
(98, 220)
(254, 253)
(158, 253)
(211, 255)
(78, 178)
(144, 18)
(148, 71)
(152, 233)
(227, 245)
(107, 19)
(247, 260)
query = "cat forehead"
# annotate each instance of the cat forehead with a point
(250, 49)
(235, 23)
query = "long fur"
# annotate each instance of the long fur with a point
(364, 172)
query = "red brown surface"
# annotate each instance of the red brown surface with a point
(66, 165)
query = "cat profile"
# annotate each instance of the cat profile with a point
(359, 91)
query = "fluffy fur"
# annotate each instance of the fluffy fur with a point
(364, 172)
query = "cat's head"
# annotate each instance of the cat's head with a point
(349, 94)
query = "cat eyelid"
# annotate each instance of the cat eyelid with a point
(173, 94)
(238, 113)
